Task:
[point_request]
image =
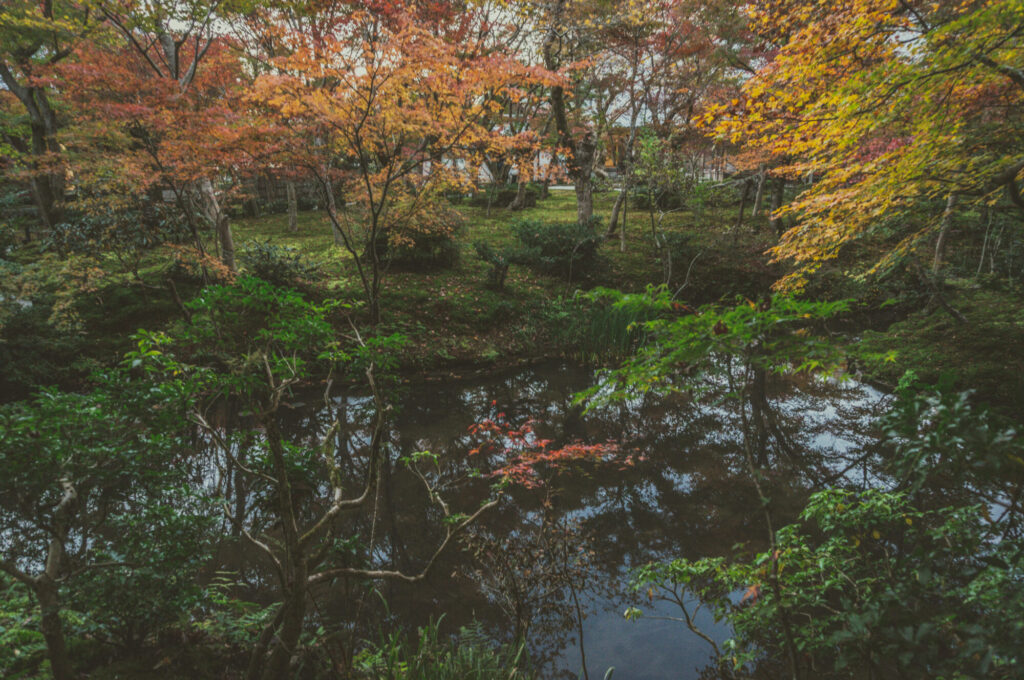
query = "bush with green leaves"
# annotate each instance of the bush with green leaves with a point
(226, 620)
(35, 352)
(642, 197)
(866, 586)
(126, 233)
(98, 511)
(421, 233)
(940, 438)
(499, 261)
(470, 655)
(501, 195)
(22, 647)
(9, 238)
(423, 252)
(566, 249)
(662, 173)
(239, 336)
(278, 264)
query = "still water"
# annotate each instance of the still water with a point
(554, 562)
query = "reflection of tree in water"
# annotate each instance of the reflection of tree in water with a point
(524, 562)
(536, 575)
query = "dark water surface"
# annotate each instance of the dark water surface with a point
(691, 497)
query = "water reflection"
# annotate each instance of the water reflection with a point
(553, 563)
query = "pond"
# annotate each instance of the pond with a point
(554, 562)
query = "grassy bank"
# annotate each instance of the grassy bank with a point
(453, 315)
(85, 311)
(985, 353)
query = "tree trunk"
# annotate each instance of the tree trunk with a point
(46, 589)
(613, 221)
(375, 294)
(219, 219)
(375, 274)
(519, 202)
(581, 165)
(986, 218)
(778, 194)
(254, 200)
(584, 166)
(286, 640)
(623, 196)
(762, 176)
(490, 199)
(293, 207)
(940, 243)
(622, 229)
(938, 294)
(619, 208)
(47, 186)
(332, 210)
(47, 194)
(743, 206)
(46, 592)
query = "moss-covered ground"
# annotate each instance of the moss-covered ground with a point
(454, 315)
(453, 318)
(985, 354)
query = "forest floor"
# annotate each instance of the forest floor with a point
(456, 322)
(453, 316)
(985, 354)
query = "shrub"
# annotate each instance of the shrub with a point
(469, 656)
(501, 195)
(499, 262)
(35, 352)
(9, 237)
(867, 581)
(276, 264)
(41, 335)
(641, 199)
(422, 234)
(22, 648)
(126, 233)
(561, 248)
(425, 251)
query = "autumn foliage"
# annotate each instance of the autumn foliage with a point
(521, 458)
(394, 112)
(887, 109)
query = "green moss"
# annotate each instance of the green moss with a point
(453, 315)
(985, 354)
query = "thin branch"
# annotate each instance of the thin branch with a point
(331, 574)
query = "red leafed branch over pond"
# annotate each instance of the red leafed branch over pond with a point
(523, 458)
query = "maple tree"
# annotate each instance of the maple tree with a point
(902, 113)
(157, 107)
(568, 46)
(395, 111)
(633, 38)
(653, 66)
(34, 38)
